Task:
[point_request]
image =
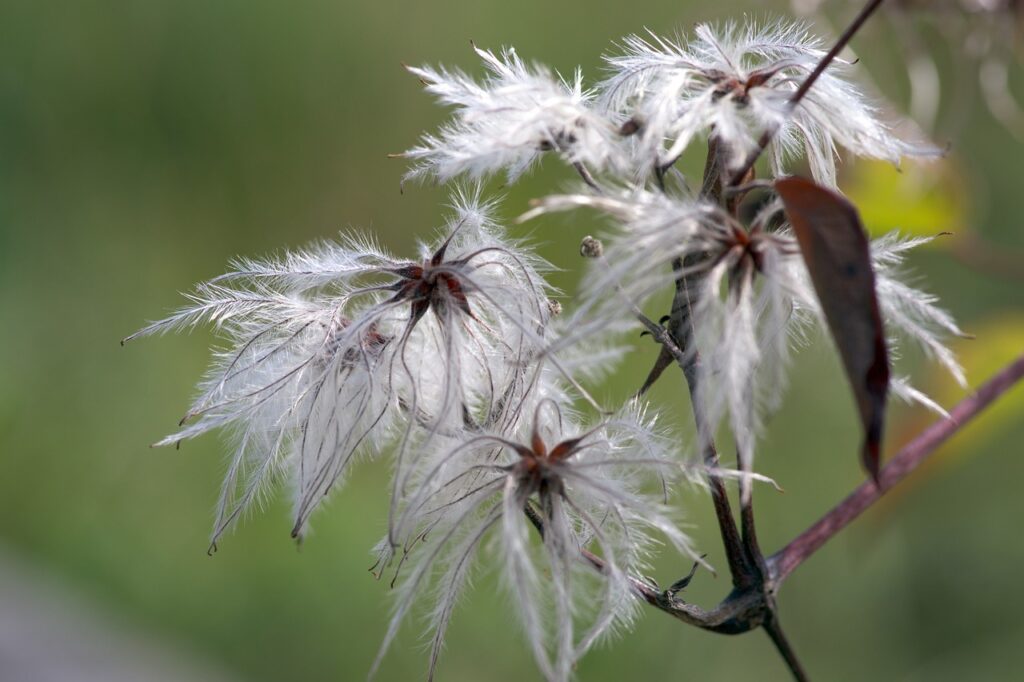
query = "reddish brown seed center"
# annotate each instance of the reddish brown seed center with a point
(537, 459)
(744, 246)
(752, 256)
(737, 89)
(426, 287)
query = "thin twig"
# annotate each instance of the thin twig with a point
(740, 175)
(587, 177)
(749, 530)
(657, 331)
(785, 649)
(785, 561)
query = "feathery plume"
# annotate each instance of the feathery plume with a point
(583, 490)
(332, 353)
(734, 82)
(509, 119)
(752, 301)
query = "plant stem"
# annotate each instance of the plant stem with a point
(786, 560)
(782, 645)
(750, 545)
(749, 607)
(681, 320)
(680, 330)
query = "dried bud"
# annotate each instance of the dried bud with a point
(630, 127)
(591, 247)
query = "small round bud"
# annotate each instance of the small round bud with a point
(591, 247)
(554, 307)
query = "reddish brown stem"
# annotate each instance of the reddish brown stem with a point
(785, 561)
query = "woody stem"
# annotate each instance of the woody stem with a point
(786, 560)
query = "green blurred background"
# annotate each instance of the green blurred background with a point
(143, 144)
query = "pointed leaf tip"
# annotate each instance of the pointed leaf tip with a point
(835, 248)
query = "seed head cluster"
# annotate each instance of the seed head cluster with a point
(459, 364)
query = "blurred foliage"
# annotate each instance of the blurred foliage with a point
(142, 144)
(996, 341)
(923, 199)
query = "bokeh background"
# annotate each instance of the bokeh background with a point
(143, 144)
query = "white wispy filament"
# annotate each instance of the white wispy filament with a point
(752, 301)
(342, 348)
(586, 490)
(734, 82)
(507, 121)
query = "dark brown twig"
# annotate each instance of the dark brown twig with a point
(680, 329)
(782, 645)
(749, 536)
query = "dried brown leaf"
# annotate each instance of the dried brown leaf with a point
(835, 248)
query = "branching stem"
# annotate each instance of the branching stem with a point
(751, 603)
(749, 607)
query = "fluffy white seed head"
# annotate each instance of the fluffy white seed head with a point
(539, 497)
(508, 120)
(751, 301)
(342, 349)
(734, 82)
(911, 314)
